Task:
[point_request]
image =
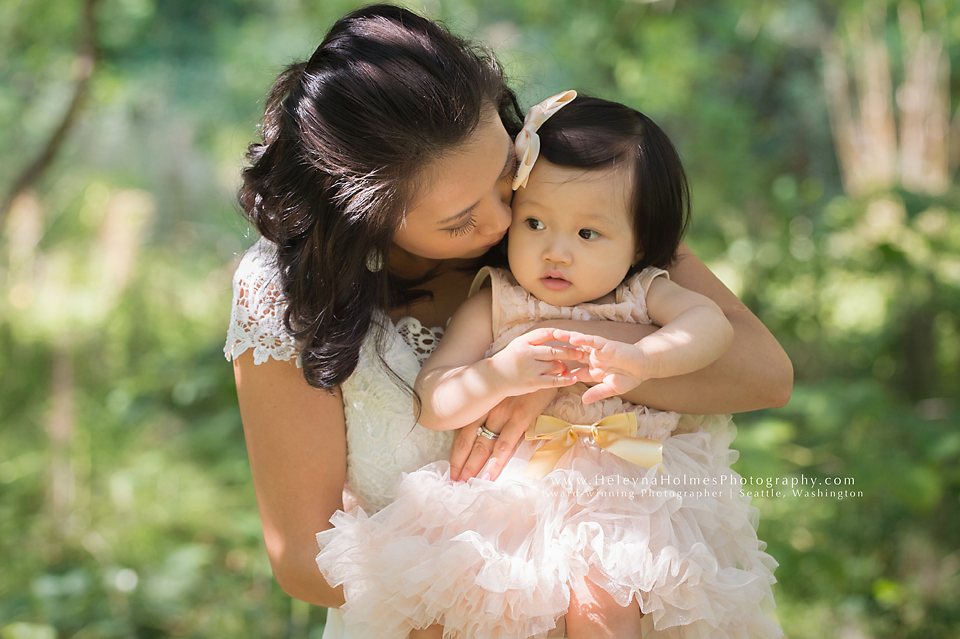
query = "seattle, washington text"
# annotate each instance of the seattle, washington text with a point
(685, 486)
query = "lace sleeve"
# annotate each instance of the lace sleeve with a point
(256, 320)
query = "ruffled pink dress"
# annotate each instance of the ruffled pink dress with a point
(497, 560)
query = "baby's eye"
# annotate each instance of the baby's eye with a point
(535, 224)
(589, 234)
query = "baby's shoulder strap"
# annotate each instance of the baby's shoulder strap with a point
(498, 279)
(645, 278)
(635, 289)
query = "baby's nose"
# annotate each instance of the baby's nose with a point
(557, 252)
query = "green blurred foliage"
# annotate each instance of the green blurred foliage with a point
(126, 507)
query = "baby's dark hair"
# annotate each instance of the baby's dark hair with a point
(592, 133)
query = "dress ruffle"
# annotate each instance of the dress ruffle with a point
(496, 560)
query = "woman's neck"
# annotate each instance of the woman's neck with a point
(408, 266)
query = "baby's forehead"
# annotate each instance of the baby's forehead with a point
(556, 174)
(590, 192)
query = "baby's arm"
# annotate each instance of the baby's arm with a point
(694, 334)
(458, 386)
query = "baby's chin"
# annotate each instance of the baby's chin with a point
(571, 296)
(565, 298)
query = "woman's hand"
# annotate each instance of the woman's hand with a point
(473, 456)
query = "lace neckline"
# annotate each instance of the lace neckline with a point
(421, 339)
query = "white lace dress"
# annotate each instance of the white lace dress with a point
(382, 442)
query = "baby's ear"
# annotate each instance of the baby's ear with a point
(637, 257)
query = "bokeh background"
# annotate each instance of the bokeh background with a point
(822, 139)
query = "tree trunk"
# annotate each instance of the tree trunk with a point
(85, 63)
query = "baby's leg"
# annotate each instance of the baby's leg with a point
(595, 615)
(433, 632)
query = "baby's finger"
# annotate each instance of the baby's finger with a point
(591, 341)
(586, 374)
(559, 368)
(549, 353)
(539, 336)
(596, 393)
(561, 335)
(553, 367)
(558, 380)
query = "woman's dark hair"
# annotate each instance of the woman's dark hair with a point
(345, 137)
(592, 133)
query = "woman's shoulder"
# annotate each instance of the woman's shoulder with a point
(256, 317)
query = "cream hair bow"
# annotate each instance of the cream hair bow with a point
(527, 144)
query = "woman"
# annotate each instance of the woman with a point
(382, 184)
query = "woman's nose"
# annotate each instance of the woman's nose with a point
(496, 219)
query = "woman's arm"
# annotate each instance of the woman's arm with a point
(754, 373)
(296, 442)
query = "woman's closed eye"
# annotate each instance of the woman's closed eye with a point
(588, 234)
(508, 172)
(464, 228)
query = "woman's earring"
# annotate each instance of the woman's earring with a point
(374, 260)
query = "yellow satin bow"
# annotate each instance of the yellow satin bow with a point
(616, 434)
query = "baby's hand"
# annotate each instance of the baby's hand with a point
(615, 366)
(527, 364)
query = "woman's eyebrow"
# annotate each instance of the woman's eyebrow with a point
(469, 209)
